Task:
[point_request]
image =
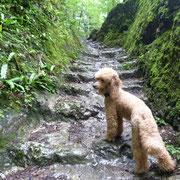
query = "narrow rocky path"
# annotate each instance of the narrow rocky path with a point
(69, 143)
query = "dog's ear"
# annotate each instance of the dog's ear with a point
(115, 84)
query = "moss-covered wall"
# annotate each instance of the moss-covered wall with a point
(118, 22)
(37, 40)
(153, 34)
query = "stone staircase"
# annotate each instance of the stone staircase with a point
(69, 142)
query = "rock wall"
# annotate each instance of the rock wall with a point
(149, 29)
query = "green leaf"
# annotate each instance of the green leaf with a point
(178, 156)
(40, 82)
(25, 78)
(0, 27)
(4, 69)
(10, 83)
(9, 21)
(44, 87)
(21, 87)
(2, 16)
(52, 67)
(11, 55)
(31, 79)
(17, 79)
(21, 55)
(41, 64)
(32, 51)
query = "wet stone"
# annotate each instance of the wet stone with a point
(86, 77)
(47, 145)
(81, 77)
(77, 110)
(132, 87)
(127, 74)
(112, 52)
(75, 89)
(72, 77)
(113, 150)
(92, 54)
(76, 68)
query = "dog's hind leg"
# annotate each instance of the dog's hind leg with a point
(139, 154)
(153, 144)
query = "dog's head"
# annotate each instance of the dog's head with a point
(107, 82)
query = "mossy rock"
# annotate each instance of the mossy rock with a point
(150, 30)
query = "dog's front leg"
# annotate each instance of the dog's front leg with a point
(112, 121)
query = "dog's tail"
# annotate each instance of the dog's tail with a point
(153, 144)
(165, 161)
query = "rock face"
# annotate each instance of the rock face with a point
(150, 30)
(69, 143)
(159, 18)
(118, 20)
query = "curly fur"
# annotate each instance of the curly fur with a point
(145, 135)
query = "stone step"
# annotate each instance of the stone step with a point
(78, 77)
(91, 54)
(75, 89)
(132, 87)
(111, 52)
(88, 77)
(133, 81)
(127, 74)
(69, 108)
(78, 89)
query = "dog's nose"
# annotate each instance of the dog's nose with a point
(94, 86)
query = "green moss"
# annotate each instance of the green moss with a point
(3, 142)
(117, 23)
(18, 157)
(62, 47)
(36, 38)
(161, 66)
(153, 34)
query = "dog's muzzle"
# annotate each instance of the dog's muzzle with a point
(94, 86)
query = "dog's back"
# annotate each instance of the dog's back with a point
(128, 105)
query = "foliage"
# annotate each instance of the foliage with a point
(128, 65)
(160, 121)
(175, 151)
(117, 23)
(160, 63)
(88, 14)
(3, 142)
(36, 41)
(38, 38)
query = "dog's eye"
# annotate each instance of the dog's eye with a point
(102, 80)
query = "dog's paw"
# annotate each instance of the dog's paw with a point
(142, 169)
(109, 139)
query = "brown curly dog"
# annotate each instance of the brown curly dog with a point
(120, 104)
